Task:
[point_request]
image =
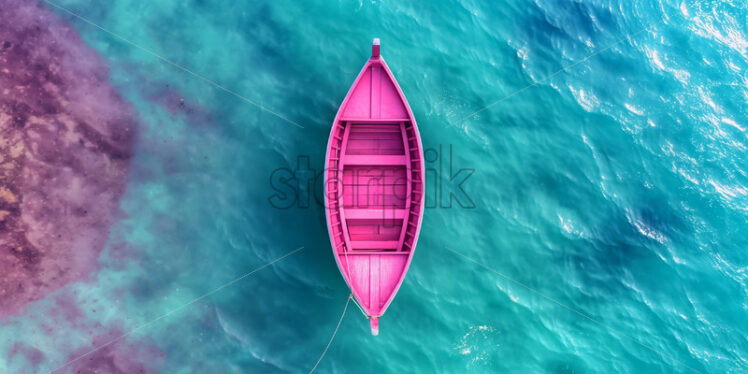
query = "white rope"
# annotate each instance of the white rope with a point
(350, 297)
(172, 63)
(360, 307)
(203, 296)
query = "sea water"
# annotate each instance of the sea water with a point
(589, 157)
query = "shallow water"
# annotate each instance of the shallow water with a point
(616, 188)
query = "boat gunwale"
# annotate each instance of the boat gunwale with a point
(374, 60)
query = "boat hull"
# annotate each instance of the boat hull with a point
(374, 186)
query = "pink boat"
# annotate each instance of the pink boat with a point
(374, 184)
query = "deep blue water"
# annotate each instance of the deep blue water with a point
(616, 187)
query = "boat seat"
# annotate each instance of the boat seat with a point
(372, 160)
(388, 213)
(374, 244)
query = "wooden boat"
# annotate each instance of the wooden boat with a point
(374, 185)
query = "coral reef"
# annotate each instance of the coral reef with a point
(65, 143)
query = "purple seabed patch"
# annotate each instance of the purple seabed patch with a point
(65, 143)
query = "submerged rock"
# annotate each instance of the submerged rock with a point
(65, 143)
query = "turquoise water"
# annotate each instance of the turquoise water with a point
(617, 188)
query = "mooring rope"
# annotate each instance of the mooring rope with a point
(360, 307)
(334, 333)
(172, 63)
(183, 306)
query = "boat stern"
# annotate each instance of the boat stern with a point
(374, 325)
(375, 48)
